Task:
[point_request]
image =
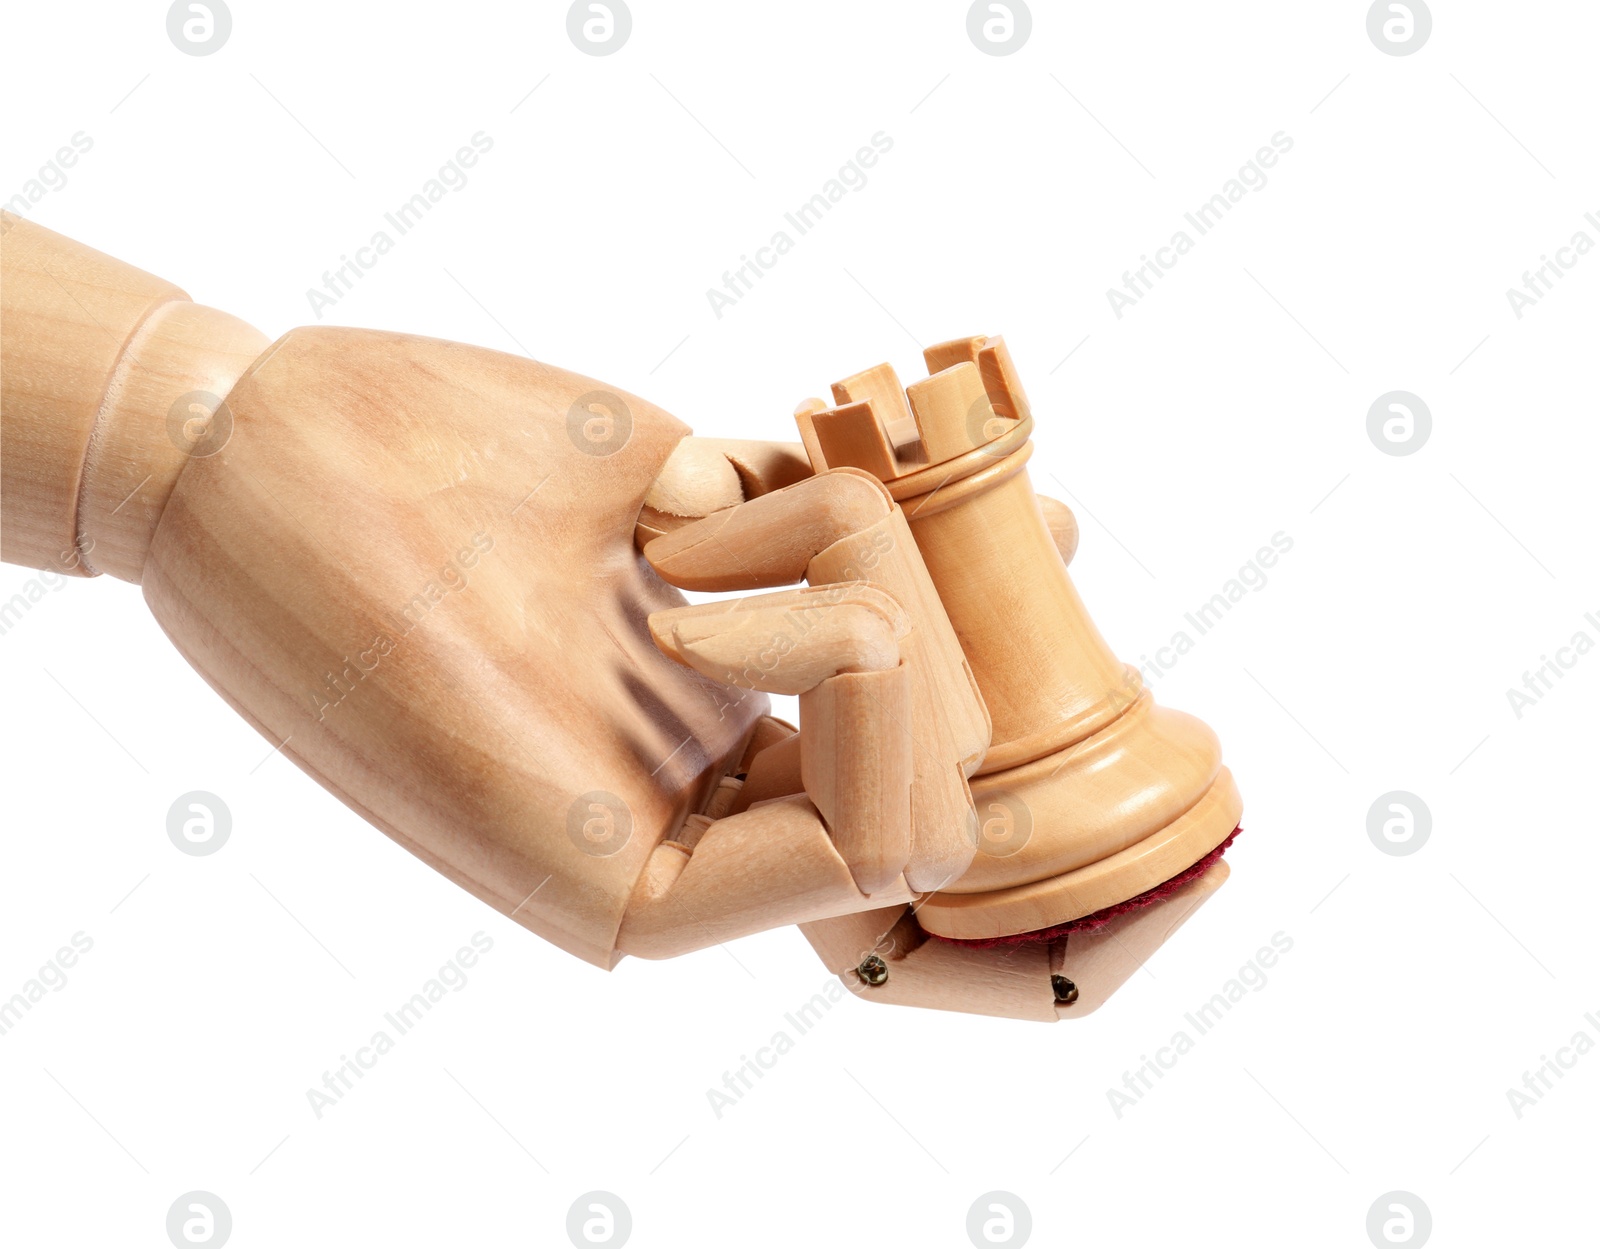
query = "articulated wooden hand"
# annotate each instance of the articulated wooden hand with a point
(416, 566)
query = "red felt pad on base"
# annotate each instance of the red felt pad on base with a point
(1099, 919)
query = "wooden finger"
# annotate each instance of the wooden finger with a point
(856, 759)
(837, 646)
(1013, 982)
(773, 864)
(706, 475)
(786, 643)
(1062, 524)
(769, 541)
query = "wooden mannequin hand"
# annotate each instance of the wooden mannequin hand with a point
(413, 566)
(836, 521)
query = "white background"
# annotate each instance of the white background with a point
(1228, 405)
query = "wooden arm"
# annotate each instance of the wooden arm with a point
(110, 380)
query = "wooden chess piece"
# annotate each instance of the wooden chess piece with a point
(1091, 798)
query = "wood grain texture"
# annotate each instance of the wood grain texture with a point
(415, 567)
(857, 765)
(378, 572)
(370, 545)
(1140, 865)
(1012, 982)
(1114, 788)
(164, 406)
(705, 475)
(837, 529)
(111, 381)
(839, 648)
(1087, 787)
(68, 313)
(1063, 526)
(773, 864)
